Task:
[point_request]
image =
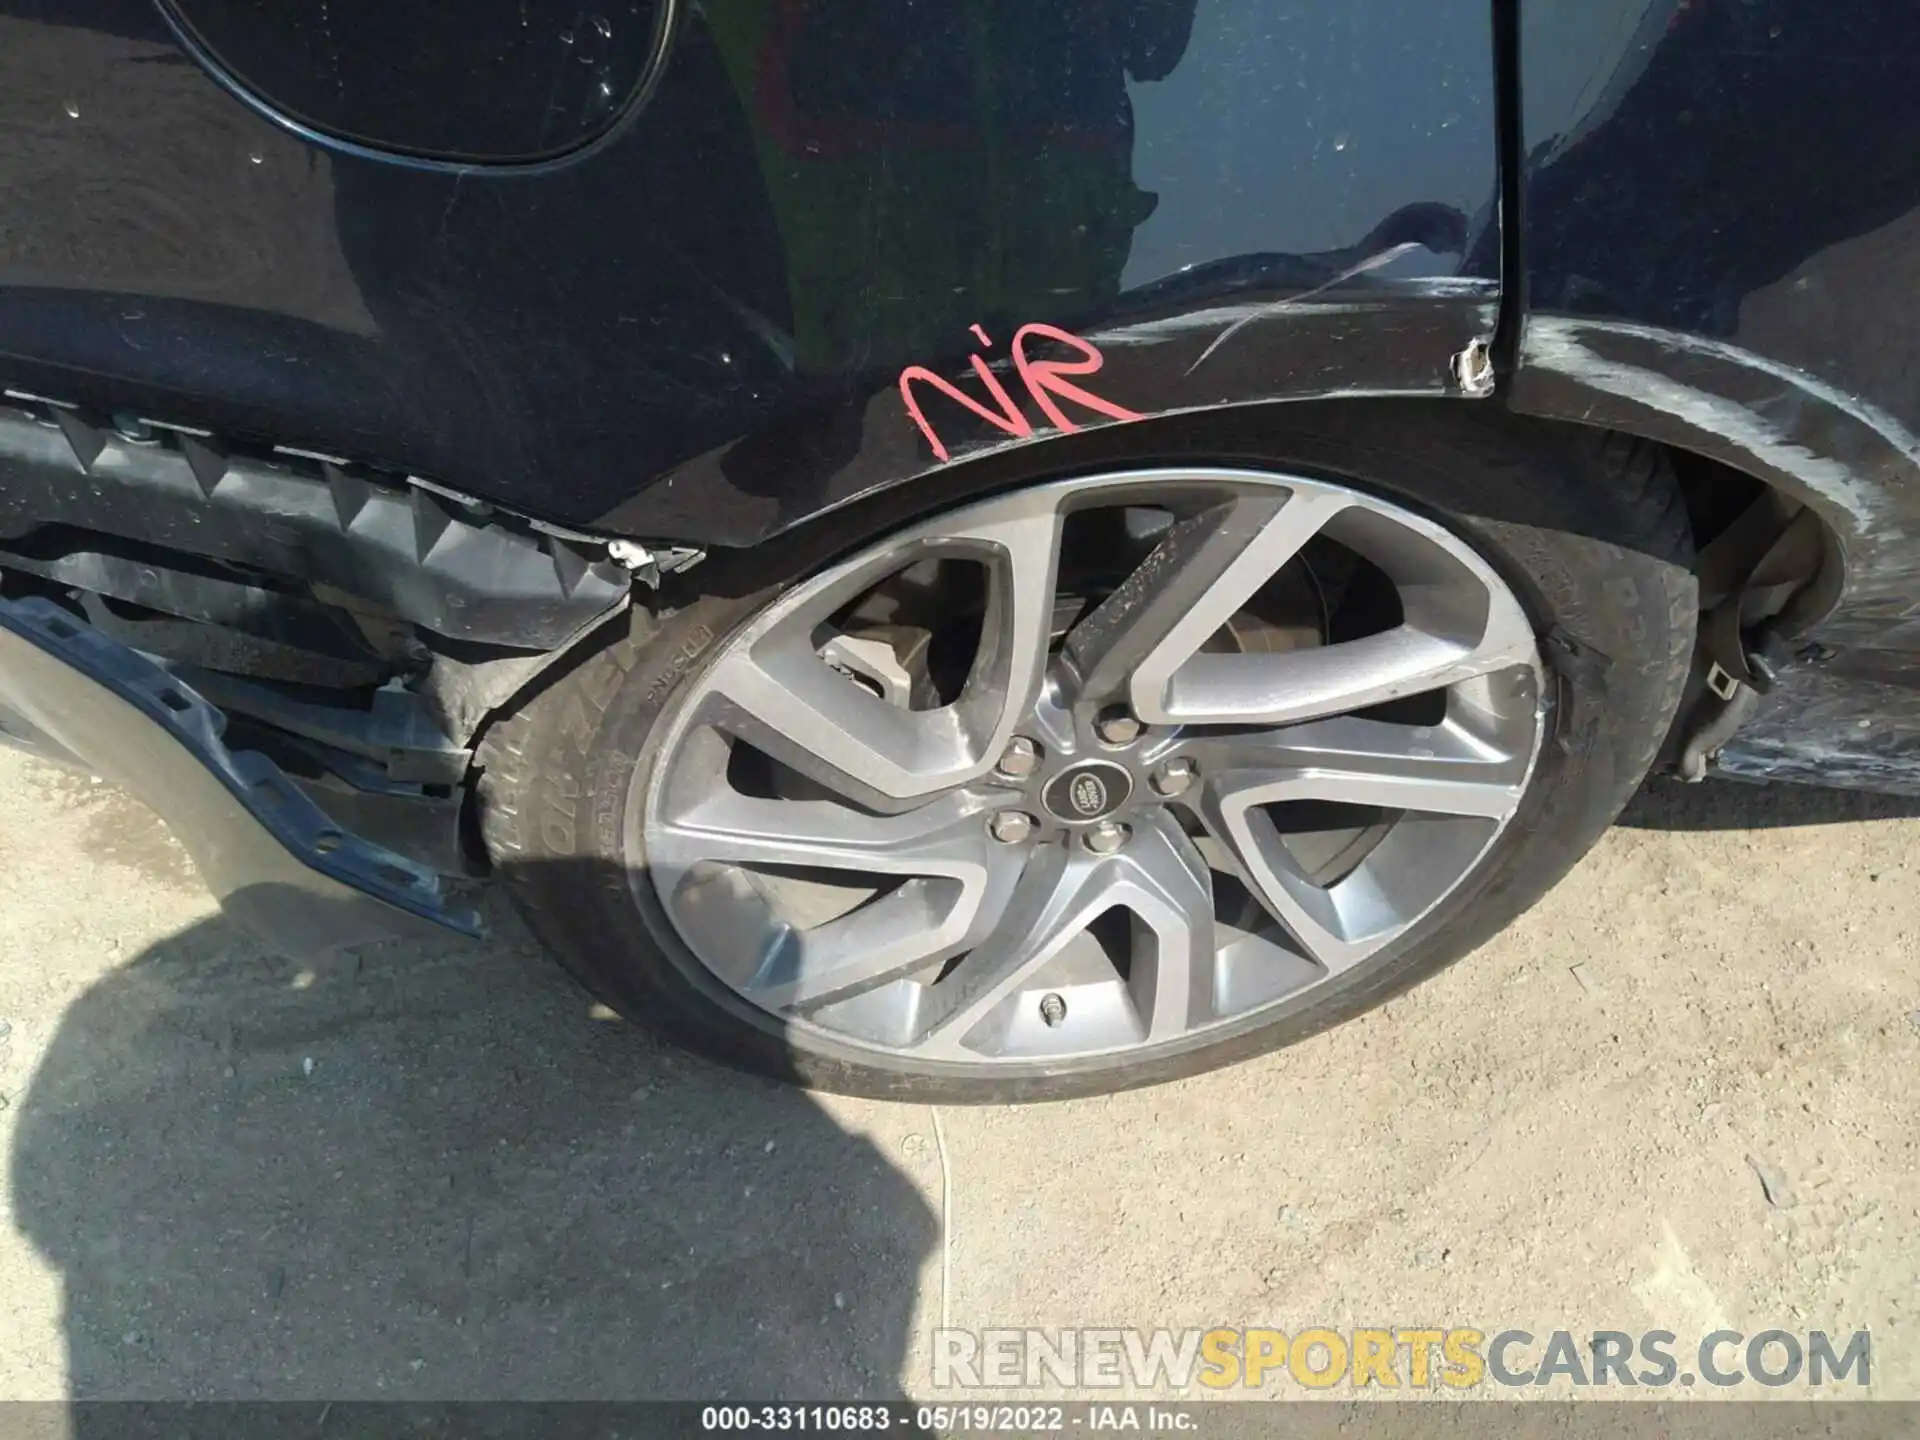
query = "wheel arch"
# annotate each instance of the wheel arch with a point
(1730, 417)
(1725, 452)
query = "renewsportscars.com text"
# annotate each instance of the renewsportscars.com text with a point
(1391, 1358)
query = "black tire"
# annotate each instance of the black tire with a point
(1587, 527)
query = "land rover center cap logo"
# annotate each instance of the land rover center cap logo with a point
(1087, 792)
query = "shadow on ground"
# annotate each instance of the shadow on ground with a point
(473, 1190)
(1737, 805)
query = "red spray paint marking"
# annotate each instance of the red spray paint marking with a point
(1009, 419)
(1042, 378)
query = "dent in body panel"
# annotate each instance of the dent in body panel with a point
(1848, 712)
(1738, 175)
(1849, 315)
(1857, 466)
(1218, 320)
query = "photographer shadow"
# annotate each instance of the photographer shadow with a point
(426, 1173)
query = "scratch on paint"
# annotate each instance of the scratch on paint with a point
(1563, 346)
(453, 199)
(1372, 262)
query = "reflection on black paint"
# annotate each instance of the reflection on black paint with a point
(932, 166)
(511, 80)
(896, 142)
(813, 196)
(1717, 148)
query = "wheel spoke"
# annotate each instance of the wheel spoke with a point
(1454, 768)
(1333, 679)
(1203, 570)
(1458, 622)
(922, 924)
(781, 695)
(814, 720)
(1061, 891)
(1174, 940)
(958, 883)
(1021, 538)
(1459, 773)
(946, 836)
(1159, 880)
(1306, 912)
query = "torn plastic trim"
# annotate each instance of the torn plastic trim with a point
(398, 731)
(450, 563)
(278, 865)
(649, 564)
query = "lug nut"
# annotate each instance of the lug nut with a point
(1173, 778)
(1117, 728)
(1010, 827)
(1021, 759)
(1106, 837)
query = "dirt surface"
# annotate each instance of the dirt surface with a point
(1679, 1094)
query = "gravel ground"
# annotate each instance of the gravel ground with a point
(1678, 1094)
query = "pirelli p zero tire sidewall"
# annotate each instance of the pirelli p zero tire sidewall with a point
(1586, 527)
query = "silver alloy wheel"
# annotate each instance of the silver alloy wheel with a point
(1138, 815)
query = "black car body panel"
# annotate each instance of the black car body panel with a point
(510, 83)
(1722, 251)
(816, 195)
(439, 320)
